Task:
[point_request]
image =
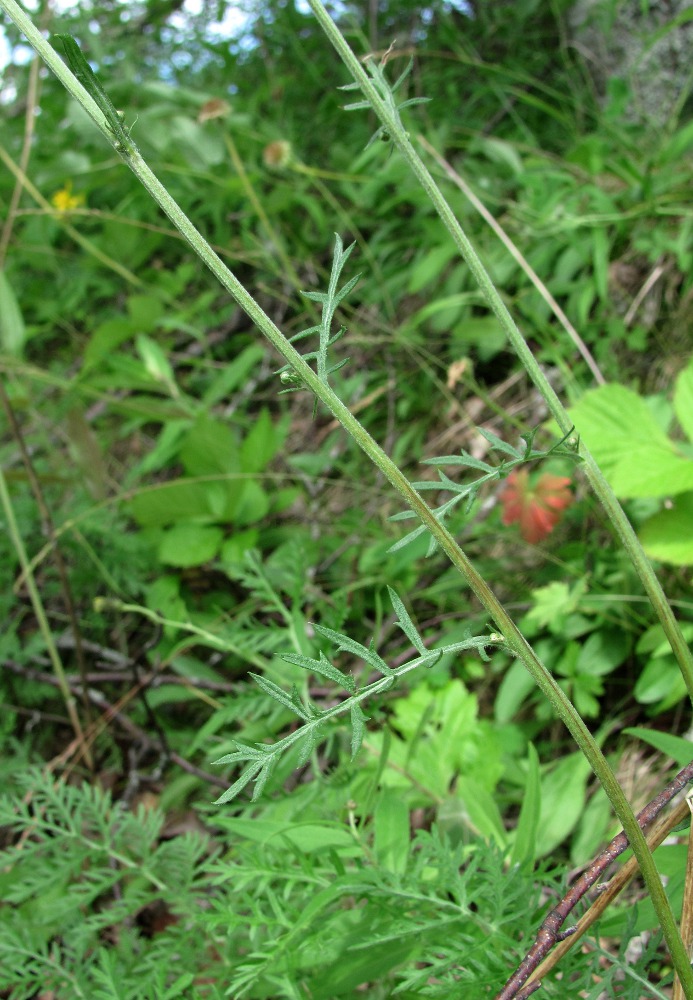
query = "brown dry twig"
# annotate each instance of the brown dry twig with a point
(550, 931)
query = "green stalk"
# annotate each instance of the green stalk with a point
(513, 637)
(607, 497)
(390, 120)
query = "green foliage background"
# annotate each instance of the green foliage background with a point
(181, 483)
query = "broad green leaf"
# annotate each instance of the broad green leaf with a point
(190, 544)
(668, 536)
(683, 399)
(562, 802)
(431, 266)
(652, 471)
(660, 681)
(602, 652)
(357, 963)
(391, 823)
(12, 329)
(209, 447)
(481, 332)
(676, 747)
(253, 503)
(305, 837)
(155, 361)
(635, 454)
(106, 338)
(498, 151)
(593, 829)
(524, 844)
(233, 374)
(182, 501)
(436, 737)
(145, 311)
(516, 685)
(261, 443)
(482, 810)
(600, 250)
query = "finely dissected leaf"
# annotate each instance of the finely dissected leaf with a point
(412, 536)
(244, 752)
(292, 702)
(246, 776)
(91, 83)
(358, 728)
(310, 740)
(329, 301)
(387, 92)
(261, 759)
(469, 491)
(323, 667)
(406, 624)
(464, 458)
(346, 644)
(344, 291)
(262, 778)
(499, 444)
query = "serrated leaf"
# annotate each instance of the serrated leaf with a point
(335, 368)
(244, 752)
(245, 778)
(412, 536)
(262, 777)
(402, 76)
(403, 515)
(406, 624)
(300, 336)
(499, 444)
(345, 644)
(308, 744)
(464, 459)
(280, 695)
(323, 667)
(413, 100)
(345, 289)
(358, 728)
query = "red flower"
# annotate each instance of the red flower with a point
(538, 508)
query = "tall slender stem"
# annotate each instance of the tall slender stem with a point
(513, 637)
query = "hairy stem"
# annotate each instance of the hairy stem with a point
(513, 637)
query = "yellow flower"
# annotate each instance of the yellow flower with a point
(65, 201)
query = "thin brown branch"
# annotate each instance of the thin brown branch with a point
(550, 931)
(112, 712)
(609, 892)
(687, 909)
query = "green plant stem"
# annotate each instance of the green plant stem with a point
(513, 637)
(390, 120)
(615, 512)
(41, 618)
